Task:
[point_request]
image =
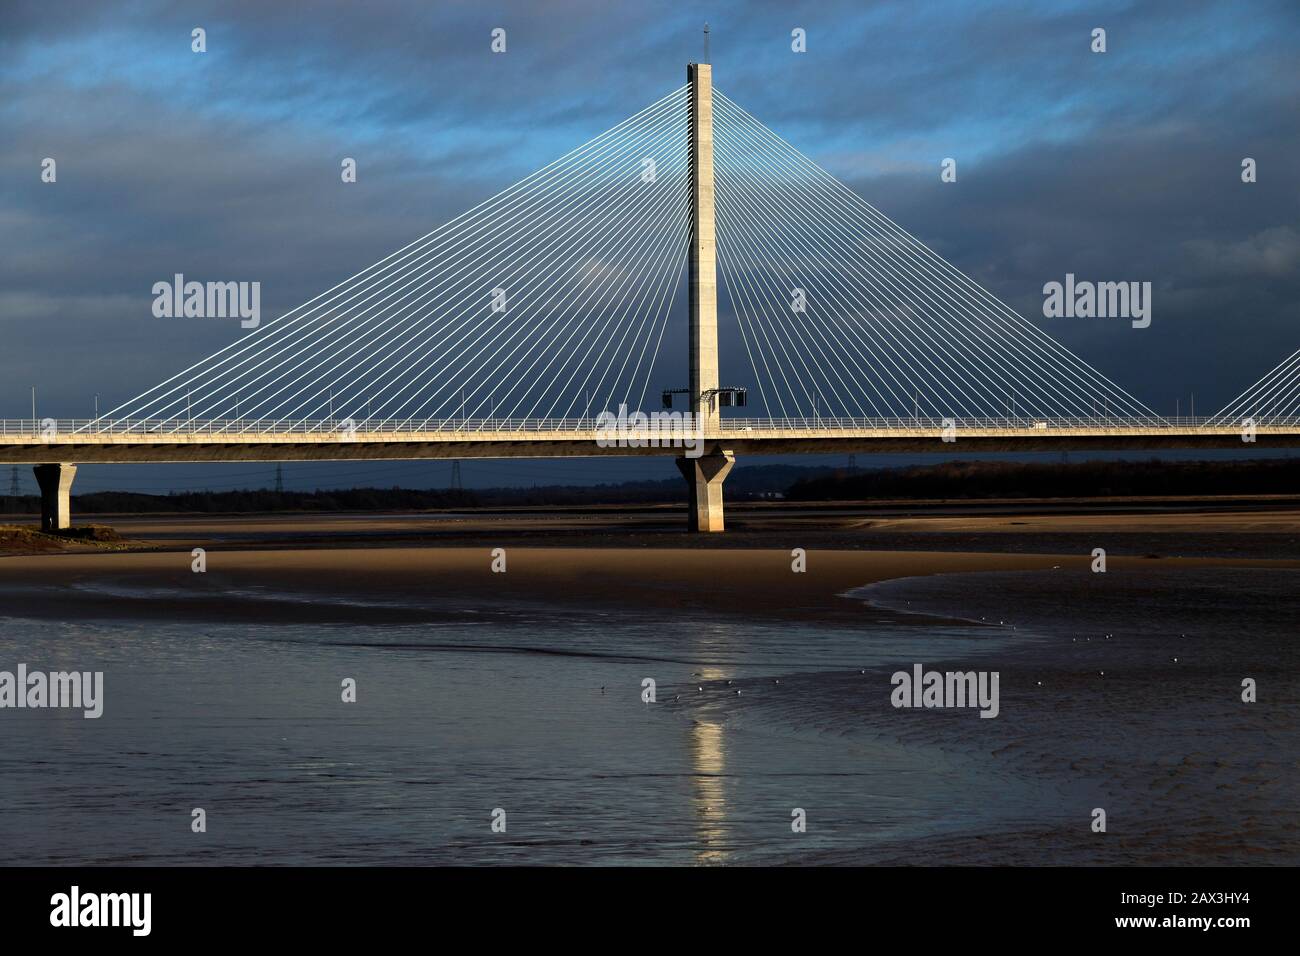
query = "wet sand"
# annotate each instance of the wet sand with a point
(1147, 723)
(405, 568)
(1261, 527)
(374, 585)
(642, 557)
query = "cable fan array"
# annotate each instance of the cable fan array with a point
(548, 300)
(1273, 400)
(843, 313)
(551, 299)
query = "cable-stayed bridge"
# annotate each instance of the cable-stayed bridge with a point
(516, 328)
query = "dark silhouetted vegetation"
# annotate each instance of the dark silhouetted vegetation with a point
(1086, 479)
(957, 479)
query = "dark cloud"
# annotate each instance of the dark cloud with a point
(1120, 166)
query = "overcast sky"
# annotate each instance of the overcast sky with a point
(225, 165)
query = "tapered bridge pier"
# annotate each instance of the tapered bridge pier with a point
(55, 482)
(705, 475)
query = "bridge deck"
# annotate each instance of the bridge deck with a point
(120, 441)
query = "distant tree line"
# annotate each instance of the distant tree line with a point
(957, 479)
(350, 499)
(1085, 479)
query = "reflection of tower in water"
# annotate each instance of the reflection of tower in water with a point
(708, 762)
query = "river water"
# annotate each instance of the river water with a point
(540, 714)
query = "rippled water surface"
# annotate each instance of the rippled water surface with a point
(541, 714)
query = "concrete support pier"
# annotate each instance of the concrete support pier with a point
(704, 477)
(56, 495)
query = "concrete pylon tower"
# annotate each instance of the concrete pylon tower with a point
(704, 271)
(704, 475)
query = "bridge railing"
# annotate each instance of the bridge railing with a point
(65, 428)
(232, 426)
(830, 422)
(1007, 421)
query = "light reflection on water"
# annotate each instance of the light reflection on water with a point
(709, 766)
(544, 717)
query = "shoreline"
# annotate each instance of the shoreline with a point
(1222, 529)
(407, 585)
(1149, 724)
